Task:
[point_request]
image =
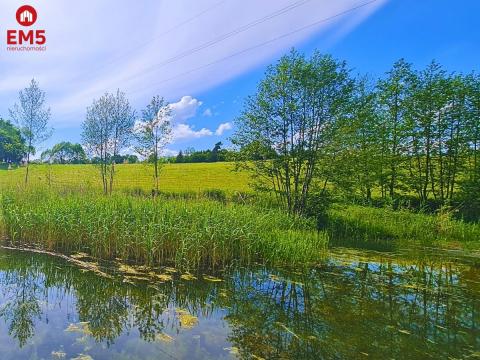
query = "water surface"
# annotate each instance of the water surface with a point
(356, 304)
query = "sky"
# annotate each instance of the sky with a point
(206, 56)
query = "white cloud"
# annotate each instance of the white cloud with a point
(223, 127)
(207, 112)
(186, 132)
(161, 52)
(184, 109)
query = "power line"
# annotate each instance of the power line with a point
(267, 42)
(140, 46)
(222, 37)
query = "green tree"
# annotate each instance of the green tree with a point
(32, 118)
(107, 130)
(215, 151)
(428, 101)
(12, 144)
(450, 145)
(470, 184)
(65, 153)
(394, 95)
(359, 164)
(292, 113)
(153, 133)
(180, 158)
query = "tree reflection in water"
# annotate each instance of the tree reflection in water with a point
(355, 304)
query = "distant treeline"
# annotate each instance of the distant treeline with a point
(215, 155)
(12, 150)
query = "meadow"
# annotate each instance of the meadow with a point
(175, 178)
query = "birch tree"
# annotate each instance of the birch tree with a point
(153, 133)
(107, 130)
(31, 115)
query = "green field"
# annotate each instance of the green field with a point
(174, 177)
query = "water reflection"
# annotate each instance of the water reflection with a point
(354, 305)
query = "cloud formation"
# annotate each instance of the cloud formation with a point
(186, 132)
(207, 112)
(184, 109)
(223, 127)
(168, 48)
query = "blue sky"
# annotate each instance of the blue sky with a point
(163, 47)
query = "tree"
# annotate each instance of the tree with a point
(450, 144)
(359, 161)
(32, 118)
(470, 184)
(427, 105)
(65, 153)
(107, 130)
(293, 112)
(216, 149)
(153, 133)
(394, 96)
(12, 144)
(180, 158)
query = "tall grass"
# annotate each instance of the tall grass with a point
(185, 233)
(368, 224)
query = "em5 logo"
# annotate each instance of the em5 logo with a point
(26, 16)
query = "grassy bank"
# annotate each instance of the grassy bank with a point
(363, 224)
(185, 233)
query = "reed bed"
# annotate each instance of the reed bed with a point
(185, 233)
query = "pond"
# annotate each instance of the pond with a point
(356, 304)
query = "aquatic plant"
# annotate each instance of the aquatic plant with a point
(185, 233)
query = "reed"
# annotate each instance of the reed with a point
(183, 232)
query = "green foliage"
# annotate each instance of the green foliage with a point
(107, 131)
(65, 153)
(311, 126)
(12, 144)
(291, 120)
(153, 133)
(215, 155)
(370, 224)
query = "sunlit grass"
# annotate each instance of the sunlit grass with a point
(369, 224)
(196, 177)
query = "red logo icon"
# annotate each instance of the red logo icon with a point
(26, 39)
(26, 15)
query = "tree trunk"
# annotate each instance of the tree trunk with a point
(112, 172)
(28, 162)
(155, 166)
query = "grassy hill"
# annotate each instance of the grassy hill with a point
(174, 177)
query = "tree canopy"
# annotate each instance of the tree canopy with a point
(65, 153)
(412, 136)
(12, 144)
